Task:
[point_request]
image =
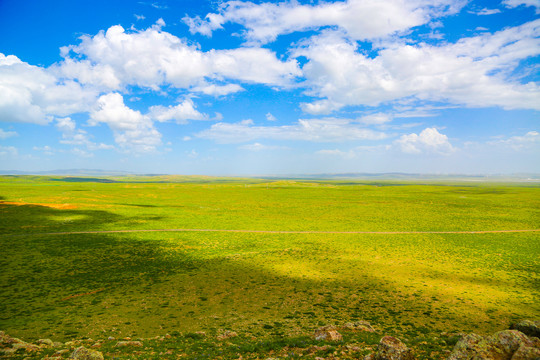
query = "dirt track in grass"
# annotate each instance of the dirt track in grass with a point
(276, 232)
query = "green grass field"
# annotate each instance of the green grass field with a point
(263, 285)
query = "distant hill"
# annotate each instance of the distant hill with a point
(324, 176)
(79, 172)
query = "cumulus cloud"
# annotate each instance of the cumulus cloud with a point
(32, 94)
(270, 117)
(131, 129)
(152, 58)
(325, 130)
(73, 136)
(474, 71)
(428, 141)
(360, 19)
(180, 113)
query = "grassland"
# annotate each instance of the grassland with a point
(263, 285)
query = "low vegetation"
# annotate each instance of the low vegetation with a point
(272, 289)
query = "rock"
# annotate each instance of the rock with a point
(528, 327)
(503, 345)
(129, 343)
(391, 348)
(47, 342)
(525, 352)
(327, 333)
(226, 335)
(508, 341)
(24, 345)
(359, 326)
(61, 352)
(111, 338)
(82, 353)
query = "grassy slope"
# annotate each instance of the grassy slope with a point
(264, 284)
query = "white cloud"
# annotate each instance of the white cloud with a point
(375, 119)
(31, 94)
(474, 71)
(152, 58)
(217, 90)
(131, 129)
(486, 11)
(47, 150)
(180, 113)
(516, 3)
(270, 117)
(81, 153)
(73, 136)
(517, 143)
(100, 76)
(7, 134)
(320, 107)
(360, 19)
(326, 130)
(429, 140)
(261, 147)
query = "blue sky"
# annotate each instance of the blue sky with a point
(262, 87)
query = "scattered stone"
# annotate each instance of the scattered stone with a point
(111, 338)
(327, 333)
(46, 342)
(503, 345)
(226, 335)
(359, 326)
(61, 352)
(129, 343)
(528, 327)
(26, 346)
(391, 348)
(82, 353)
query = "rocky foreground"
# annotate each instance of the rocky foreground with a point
(521, 342)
